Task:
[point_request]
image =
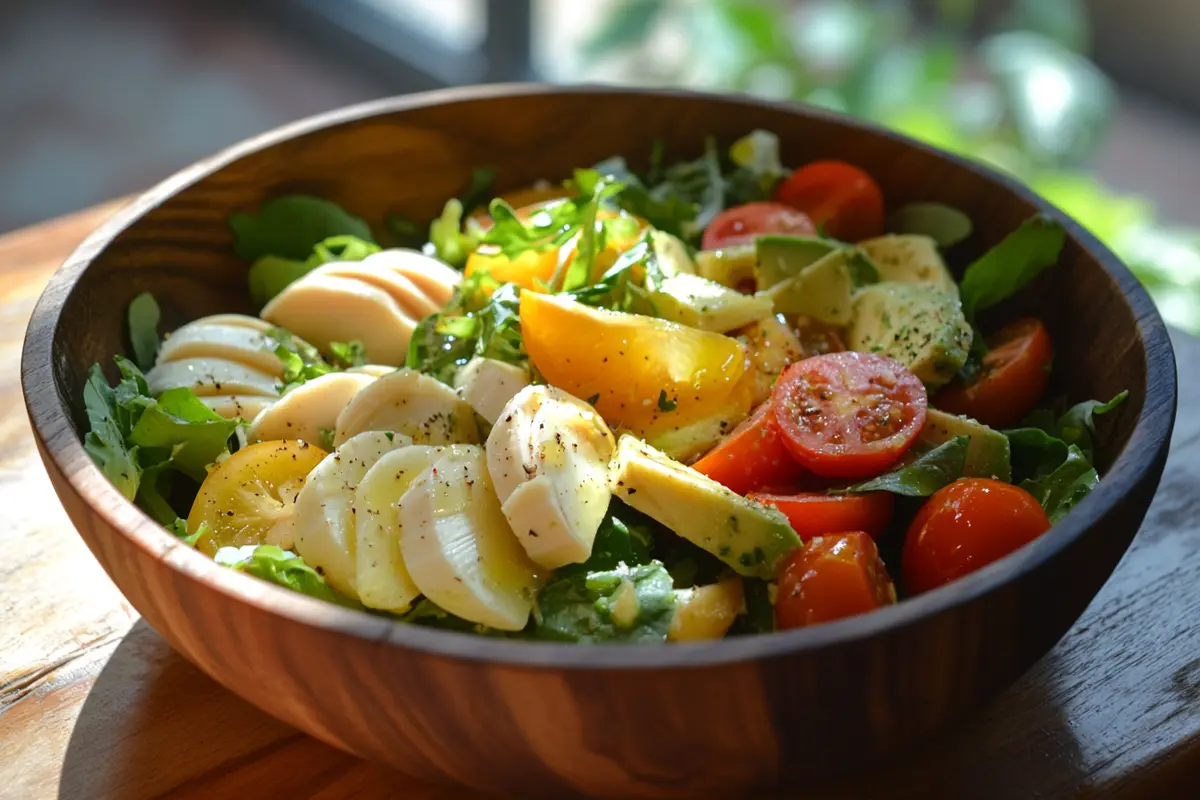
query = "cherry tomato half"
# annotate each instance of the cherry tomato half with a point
(740, 224)
(966, 526)
(843, 200)
(848, 415)
(752, 455)
(813, 514)
(832, 577)
(1015, 372)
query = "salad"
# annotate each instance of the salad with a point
(713, 398)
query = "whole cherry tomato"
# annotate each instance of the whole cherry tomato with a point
(1016, 369)
(832, 577)
(966, 526)
(842, 200)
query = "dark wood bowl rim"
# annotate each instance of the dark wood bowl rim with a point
(51, 423)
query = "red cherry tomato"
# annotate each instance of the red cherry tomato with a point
(740, 224)
(845, 202)
(849, 415)
(832, 577)
(1015, 372)
(751, 456)
(813, 514)
(966, 526)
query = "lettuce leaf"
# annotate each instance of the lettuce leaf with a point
(271, 274)
(140, 442)
(1053, 456)
(922, 476)
(282, 568)
(624, 537)
(143, 316)
(291, 226)
(626, 604)
(1014, 262)
(190, 434)
(443, 343)
(1061, 489)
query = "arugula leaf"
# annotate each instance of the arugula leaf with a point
(291, 226)
(283, 568)
(1061, 489)
(624, 537)
(923, 476)
(1010, 265)
(143, 315)
(301, 361)
(945, 225)
(190, 432)
(271, 274)
(348, 354)
(442, 343)
(596, 189)
(620, 288)
(625, 604)
(105, 441)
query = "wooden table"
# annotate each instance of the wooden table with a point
(94, 704)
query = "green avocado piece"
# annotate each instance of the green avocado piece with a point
(824, 290)
(731, 266)
(672, 254)
(700, 303)
(782, 257)
(750, 538)
(910, 258)
(916, 324)
(988, 453)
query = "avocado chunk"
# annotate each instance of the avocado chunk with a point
(700, 303)
(921, 327)
(782, 257)
(751, 539)
(672, 254)
(730, 266)
(910, 258)
(824, 290)
(988, 454)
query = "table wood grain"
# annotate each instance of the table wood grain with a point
(94, 704)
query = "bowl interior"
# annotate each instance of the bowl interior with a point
(407, 156)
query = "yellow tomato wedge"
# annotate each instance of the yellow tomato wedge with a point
(643, 373)
(248, 497)
(532, 269)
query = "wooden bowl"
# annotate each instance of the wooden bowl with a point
(552, 718)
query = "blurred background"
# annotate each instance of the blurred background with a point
(1090, 102)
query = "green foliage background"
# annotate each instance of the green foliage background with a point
(1024, 97)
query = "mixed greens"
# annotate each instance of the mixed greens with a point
(639, 406)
